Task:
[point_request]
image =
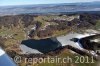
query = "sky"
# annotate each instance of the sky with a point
(26, 2)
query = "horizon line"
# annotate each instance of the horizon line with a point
(45, 3)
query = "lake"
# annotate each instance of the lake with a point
(50, 44)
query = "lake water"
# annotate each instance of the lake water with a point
(50, 44)
(39, 46)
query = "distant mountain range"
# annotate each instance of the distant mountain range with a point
(50, 8)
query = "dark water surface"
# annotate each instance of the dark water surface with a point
(43, 45)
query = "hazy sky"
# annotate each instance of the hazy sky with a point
(23, 2)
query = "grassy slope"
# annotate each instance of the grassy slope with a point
(98, 24)
(66, 54)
